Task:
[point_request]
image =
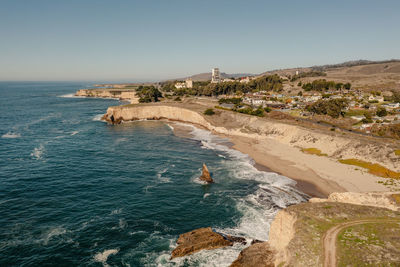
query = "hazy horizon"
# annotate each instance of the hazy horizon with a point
(132, 41)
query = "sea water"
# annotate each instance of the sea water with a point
(77, 191)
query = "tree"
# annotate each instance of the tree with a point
(381, 112)
(148, 94)
(347, 86)
(332, 107)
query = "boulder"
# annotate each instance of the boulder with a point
(205, 175)
(199, 239)
(258, 254)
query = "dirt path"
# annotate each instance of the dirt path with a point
(331, 236)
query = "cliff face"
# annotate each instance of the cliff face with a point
(131, 113)
(109, 93)
(281, 233)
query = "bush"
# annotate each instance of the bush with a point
(209, 112)
(177, 99)
(332, 107)
(381, 112)
(267, 109)
(233, 100)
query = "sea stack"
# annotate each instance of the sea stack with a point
(205, 175)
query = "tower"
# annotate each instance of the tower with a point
(215, 77)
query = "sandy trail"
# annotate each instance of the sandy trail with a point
(330, 237)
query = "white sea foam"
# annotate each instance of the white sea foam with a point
(161, 178)
(122, 223)
(38, 152)
(103, 256)
(73, 96)
(53, 232)
(74, 132)
(170, 126)
(116, 211)
(97, 117)
(11, 135)
(206, 195)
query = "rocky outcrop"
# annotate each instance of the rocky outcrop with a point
(205, 175)
(199, 239)
(388, 200)
(144, 112)
(122, 94)
(259, 254)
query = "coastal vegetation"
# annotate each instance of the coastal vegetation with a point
(263, 83)
(356, 243)
(148, 94)
(233, 100)
(209, 112)
(313, 220)
(313, 151)
(373, 168)
(259, 112)
(388, 130)
(324, 85)
(331, 107)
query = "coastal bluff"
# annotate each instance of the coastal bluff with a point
(154, 112)
(121, 94)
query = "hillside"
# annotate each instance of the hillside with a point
(364, 75)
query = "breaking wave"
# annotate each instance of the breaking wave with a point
(38, 152)
(97, 117)
(103, 256)
(258, 209)
(11, 135)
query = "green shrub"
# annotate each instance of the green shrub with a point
(381, 112)
(209, 112)
(177, 99)
(267, 109)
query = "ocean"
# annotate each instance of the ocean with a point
(75, 191)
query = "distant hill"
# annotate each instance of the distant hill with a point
(207, 76)
(362, 74)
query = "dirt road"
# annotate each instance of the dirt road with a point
(331, 236)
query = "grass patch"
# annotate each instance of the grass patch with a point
(397, 152)
(373, 168)
(364, 245)
(313, 151)
(396, 198)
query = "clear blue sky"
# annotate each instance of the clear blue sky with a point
(144, 40)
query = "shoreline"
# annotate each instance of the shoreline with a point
(306, 186)
(278, 146)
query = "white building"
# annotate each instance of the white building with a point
(378, 98)
(245, 80)
(187, 84)
(215, 76)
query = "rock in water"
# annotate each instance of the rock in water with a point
(259, 254)
(205, 175)
(202, 238)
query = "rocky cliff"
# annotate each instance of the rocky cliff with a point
(122, 94)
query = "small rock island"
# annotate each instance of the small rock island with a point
(205, 175)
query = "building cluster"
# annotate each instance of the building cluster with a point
(188, 83)
(358, 102)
